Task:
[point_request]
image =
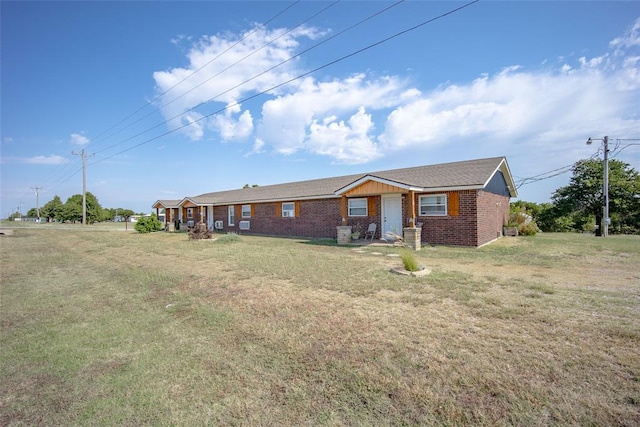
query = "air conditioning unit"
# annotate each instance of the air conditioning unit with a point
(244, 225)
(218, 225)
(190, 223)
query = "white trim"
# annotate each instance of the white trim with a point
(242, 210)
(506, 173)
(366, 207)
(446, 205)
(288, 213)
(231, 214)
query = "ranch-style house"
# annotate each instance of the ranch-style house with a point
(462, 203)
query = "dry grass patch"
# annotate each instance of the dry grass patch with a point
(121, 329)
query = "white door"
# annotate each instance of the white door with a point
(392, 214)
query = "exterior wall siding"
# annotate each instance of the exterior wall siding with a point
(493, 213)
(480, 218)
(317, 218)
(458, 230)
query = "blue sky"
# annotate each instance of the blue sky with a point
(176, 99)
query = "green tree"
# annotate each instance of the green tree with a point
(583, 198)
(72, 209)
(52, 210)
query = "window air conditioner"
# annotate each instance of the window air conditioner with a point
(244, 225)
(218, 225)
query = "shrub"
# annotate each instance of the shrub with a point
(409, 261)
(200, 231)
(148, 224)
(521, 219)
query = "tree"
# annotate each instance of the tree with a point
(72, 209)
(52, 209)
(583, 198)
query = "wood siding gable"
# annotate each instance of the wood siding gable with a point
(371, 188)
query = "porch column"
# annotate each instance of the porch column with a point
(412, 237)
(412, 208)
(344, 209)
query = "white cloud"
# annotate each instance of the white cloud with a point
(47, 160)
(359, 118)
(79, 139)
(287, 120)
(346, 142)
(225, 68)
(230, 128)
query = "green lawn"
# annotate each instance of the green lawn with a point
(101, 326)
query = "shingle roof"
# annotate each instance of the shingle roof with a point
(464, 174)
(167, 203)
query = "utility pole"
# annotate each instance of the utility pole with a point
(84, 184)
(606, 220)
(37, 204)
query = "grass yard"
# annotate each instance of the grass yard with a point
(117, 328)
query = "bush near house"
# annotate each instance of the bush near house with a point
(148, 224)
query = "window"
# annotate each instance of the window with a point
(358, 207)
(433, 205)
(288, 210)
(232, 215)
(246, 211)
(189, 213)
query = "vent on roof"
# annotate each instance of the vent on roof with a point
(244, 225)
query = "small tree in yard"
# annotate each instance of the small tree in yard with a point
(148, 224)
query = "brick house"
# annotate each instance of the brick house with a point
(462, 203)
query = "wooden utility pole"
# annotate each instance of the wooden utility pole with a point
(37, 204)
(84, 184)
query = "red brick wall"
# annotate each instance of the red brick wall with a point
(480, 219)
(457, 230)
(317, 218)
(493, 213)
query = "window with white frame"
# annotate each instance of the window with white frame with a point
(189, 213)
(288, 210)
(246, 211)
(358, 207)
(232, 215)
(435, 205)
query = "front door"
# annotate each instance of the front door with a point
(392, 214)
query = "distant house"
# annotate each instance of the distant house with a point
(462, 203)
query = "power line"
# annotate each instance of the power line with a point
(97, 138)
(354, 53)
(551, 174)
(166, 121)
